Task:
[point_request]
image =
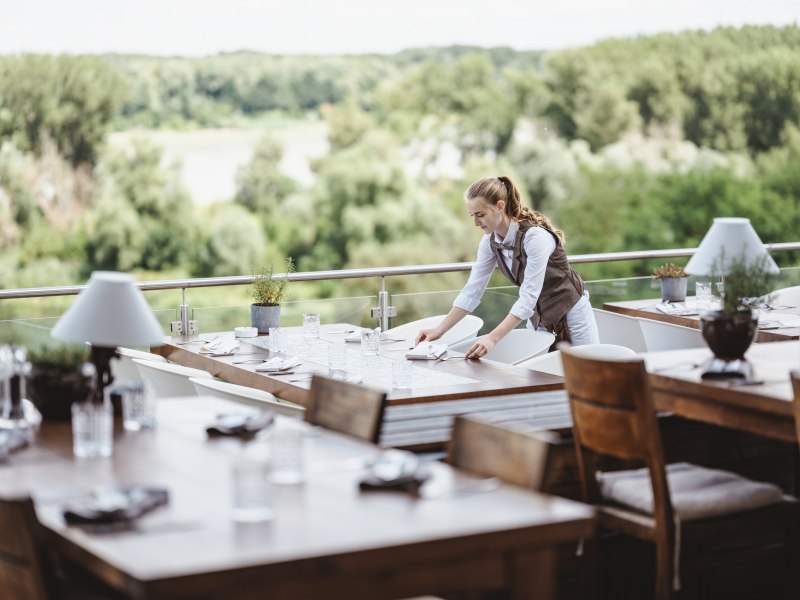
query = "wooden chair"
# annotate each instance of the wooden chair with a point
(510, 453)
(346, 407)
(677, 507)
(26, 571)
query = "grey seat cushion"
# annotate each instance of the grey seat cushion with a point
(696, 492)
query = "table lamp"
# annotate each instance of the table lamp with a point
(110, 312)
(730, 238)
(729, 241)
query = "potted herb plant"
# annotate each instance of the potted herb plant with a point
(673, 282)
(730, 331)
(267, 293)
(56, 379)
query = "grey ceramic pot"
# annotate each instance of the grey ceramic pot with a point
(673, 289)
(265, 316)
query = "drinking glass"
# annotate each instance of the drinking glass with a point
(310, 326)
(286, 452)
(251, 491)
(702, 292)
(371, 342)
(337, 360)
(92, 427)
(402, 374)
(278, 340)
(138, 406)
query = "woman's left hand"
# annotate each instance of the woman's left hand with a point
(480, 348)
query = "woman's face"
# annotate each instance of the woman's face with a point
(488, 217)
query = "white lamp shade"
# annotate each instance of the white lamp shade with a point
(736, 238)
(110, 312)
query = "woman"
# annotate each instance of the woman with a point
(529, 250)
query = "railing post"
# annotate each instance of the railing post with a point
(185, 326)
(383, 311)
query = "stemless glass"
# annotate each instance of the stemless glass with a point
(310, 326)
(371, 342)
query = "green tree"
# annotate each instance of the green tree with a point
(232, 244)
(260, 185)
(69, 99)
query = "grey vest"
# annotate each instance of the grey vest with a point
(562, 286)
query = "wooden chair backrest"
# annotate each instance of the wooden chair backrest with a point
(613, 416)
(795, 376)
(350, 408)
(22, 572)
(516, 456)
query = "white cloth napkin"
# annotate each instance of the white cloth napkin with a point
(354, 337)
(276, 364)
(675, 308)
(773, 320)
(221, 345)
(427, 351)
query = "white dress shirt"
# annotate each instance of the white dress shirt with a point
(539, 245)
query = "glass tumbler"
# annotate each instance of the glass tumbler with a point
(702, 292)
(138, 406)
(92, 428)
(310, 326)
(337, 360)
(371, 342)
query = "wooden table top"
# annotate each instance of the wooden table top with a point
(646, 309)
(488, 377)
(765, 408)
(326, 540)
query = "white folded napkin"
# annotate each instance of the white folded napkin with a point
(354, 337)
(221, 345)
(774, 320)
(276, 364)
(427, 351)
(676, 308)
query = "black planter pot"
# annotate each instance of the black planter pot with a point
(53, 389)
(729, 335)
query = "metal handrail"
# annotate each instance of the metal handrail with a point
(172, 284)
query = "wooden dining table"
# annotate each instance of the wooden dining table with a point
(762, 405)
(646, 309)
(433, 380)
(327, 539)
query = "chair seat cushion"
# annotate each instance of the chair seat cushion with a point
(696, 492)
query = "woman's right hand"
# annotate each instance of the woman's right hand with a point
(428, 334)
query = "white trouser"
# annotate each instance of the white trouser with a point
(581, 323)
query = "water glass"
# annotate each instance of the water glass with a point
(251, 491)
(92, 428)
(337, 360)
(310, 326)
(371, 342)
(138, 406)
(286, 445)
(702, 292)
(278, 340)
(402, 374)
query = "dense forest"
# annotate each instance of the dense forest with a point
(627, 144)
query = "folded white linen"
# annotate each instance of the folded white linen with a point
(276, 364)
(676, 308)
(221, 345)
(427, 351)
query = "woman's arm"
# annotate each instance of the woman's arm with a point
(487, 342)
(453, 317)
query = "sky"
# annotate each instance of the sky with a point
(202, 27)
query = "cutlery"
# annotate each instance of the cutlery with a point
(249, 360)
(195, 342)
(231, 354)
(444, 358)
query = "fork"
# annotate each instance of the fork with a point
(249, 360)
(444, 358)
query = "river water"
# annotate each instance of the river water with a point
(209, 158)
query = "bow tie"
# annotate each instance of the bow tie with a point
(500, 245)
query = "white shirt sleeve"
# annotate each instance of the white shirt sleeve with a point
(539, 245)
(485, 264)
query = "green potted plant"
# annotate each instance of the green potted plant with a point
(730, 331)
(267, 294)
(673, 282)
(56, 379)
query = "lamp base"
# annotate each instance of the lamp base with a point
(719, 368)
(101, 357)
